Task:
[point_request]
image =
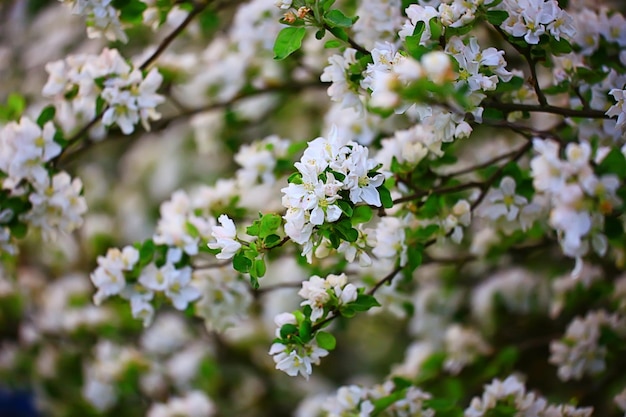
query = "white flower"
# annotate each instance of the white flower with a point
(58, 206)
(24, 148)
(390, 239)
(225, 236)
(619, 108)
(294, 360)
(283, 4)
(173, 282)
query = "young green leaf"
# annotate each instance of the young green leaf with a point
(361, 214)
(288, 41)
(325, 340)
(46, 115)
(336, 18)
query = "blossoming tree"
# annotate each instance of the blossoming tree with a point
(314, 207)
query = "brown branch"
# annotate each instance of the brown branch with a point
(164, 123)
(534, 108)
(198, 8)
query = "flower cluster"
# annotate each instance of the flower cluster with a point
(506, 210)
(166, 278)
(299, 342)
(102, 18)
(193, 404)
(79, 81)
(295, 358)
(579, 198)
(580, 351)
(49, 201)
(532, 18)
(333, 176)
(320, 293)
(511, 393)
(110, 362)
(356, 400)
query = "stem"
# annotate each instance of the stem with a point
(534, 108)
(197, 9)
(163, 123)
(350, 41)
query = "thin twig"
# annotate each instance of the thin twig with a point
(534, 108)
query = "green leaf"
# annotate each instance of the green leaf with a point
(19, 230)
(419, 30)
(326, 340)
(496, 17)
(295, 178)
(440, 404)
(269, 224)
(253, 229)
(271, 241)
(380, 404)
(424, 233)
(305, 331)
(414, 48)
(241, 263)
(209, 22)
(339, 33)
(385, 196)
(345, 231)
(361, 214)
(46, 115)
(14, 107)
(414, 256)
(131, 11)
(288, 41)
(436, 28)
(326, 4)
(613, 163)
(491, 113)
(613, 228)
(591, 76)
(336, 18)
(513, 85)
(345, 207)
(560, 47)
(288, 329)
(364, 302)
(146, 252)
(333, 43)
(258, 268)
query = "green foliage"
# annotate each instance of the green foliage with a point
(131, 11)
(13, 108)
(325, 340)
(336, 18)
(288, 41)
(46, 115)
(496, 17)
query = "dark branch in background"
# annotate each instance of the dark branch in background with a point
(350, 41)
(198, 8)
(525, 52)
(164, 123)
(526, 131)
(479, 166)
(535, 108)
(285, 88)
